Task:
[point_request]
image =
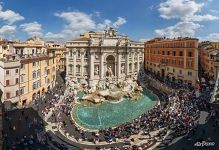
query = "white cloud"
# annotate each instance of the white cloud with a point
(7, 31)
(202, 18)
(119, 22)
(181, 29)
(10, 16)
(32, 28)
(214, 11)
(144, 39)
(185, 10)
(77, 23)
(53, 36)
(212, 37)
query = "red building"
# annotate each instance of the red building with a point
(173, 59)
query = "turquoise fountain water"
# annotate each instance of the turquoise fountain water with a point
(111, 114)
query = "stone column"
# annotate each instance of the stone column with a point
(82, 63)
(74, 62)
(138, 66)
(118, 65)
(101, 66)
(67, 61)
(127, 64)
(91, 68)
(133, 61)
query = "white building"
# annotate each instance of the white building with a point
(99, 56)
(9, 80)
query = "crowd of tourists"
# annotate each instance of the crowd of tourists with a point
(176, 113)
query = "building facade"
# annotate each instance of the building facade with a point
(208, 59)
(27, 73)
(59, 50)
(173, 59)
(214, 44)
(9, 81)
(97, 56)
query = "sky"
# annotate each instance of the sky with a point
(63, 20)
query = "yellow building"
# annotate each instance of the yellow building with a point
(208, 59)
(37, 70)
(27, 71)
(215, 44)
(59, 50)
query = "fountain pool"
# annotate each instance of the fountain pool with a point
(112, 114)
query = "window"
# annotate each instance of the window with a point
(163, 53)
(173, 70)
(16, 81)
(78, 53)
(21, 90)
(17, 93)
(190, 54)
(190, 63)
(135, 65)
(34, 74)
(71, 68)
(168, 52)
(22, 66)
(180, 71)
(86, 54)
(16, 71)
(34, 64)
(7, 72)
(32, 51)
(34, 85)
(130, 67)
(181, 53)
(174, 61)
(180, 62)
(174, 53)
(189, 73)
(7, 82)
(78, 68)
(8, 95)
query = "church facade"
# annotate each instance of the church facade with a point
(100, 56)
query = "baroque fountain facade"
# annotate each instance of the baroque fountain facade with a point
(99, 58)
(105, 67)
